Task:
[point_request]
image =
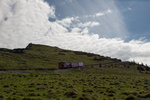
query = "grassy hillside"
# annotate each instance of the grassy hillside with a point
(105, 83)
(115, 81)
(36, 56)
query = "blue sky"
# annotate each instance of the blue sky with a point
(137, 17)
(135, 13)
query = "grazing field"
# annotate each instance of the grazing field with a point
(95, 83)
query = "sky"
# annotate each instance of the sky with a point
(136, 17)
(114, 28)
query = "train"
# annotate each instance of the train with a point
(65, 65)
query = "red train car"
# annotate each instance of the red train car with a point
(64, 65)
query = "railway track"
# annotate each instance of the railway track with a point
(57, 70)
(105, 64)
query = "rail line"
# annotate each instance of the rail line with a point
(50, 69)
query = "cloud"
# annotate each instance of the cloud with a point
(66, 22)
(88, 24)
(109, 11)
(103, 13)
(129, 8)
(99, 14)
(25, 21)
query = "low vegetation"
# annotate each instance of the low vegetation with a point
(87, 84)
(114, 81)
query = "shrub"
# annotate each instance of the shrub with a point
(130, 98)
(88, 90)
(71, 93)
(6, 86)
(84, 97)
(1, 97)
(145, 96)
(27, 98)
(32, 94)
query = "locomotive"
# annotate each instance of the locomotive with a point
(64, 65)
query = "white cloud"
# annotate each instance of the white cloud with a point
(129, 8)
(88, 24)
(109, 11)
(85, 31)
(66, 22)
(25, 21)
(103, 13)
(99, 14)
(76, 30)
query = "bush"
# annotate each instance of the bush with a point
(130, 98)
(145, 96)
(1, 97)
(84, 97)
(6, 86)
(88, 90)
(71, 93)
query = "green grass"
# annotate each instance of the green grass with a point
(42, 57)
(109, 82)
(73, 84)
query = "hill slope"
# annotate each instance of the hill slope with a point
(114, 81)
(36, 56)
